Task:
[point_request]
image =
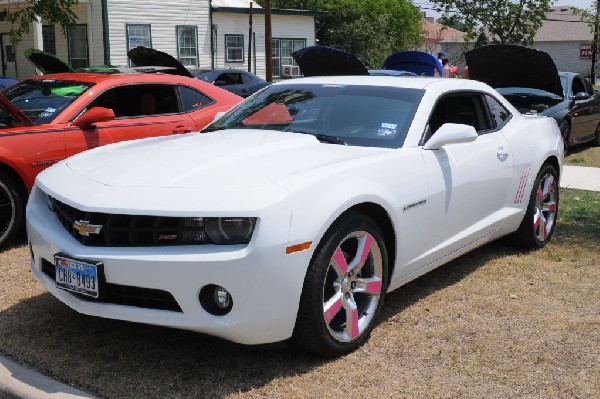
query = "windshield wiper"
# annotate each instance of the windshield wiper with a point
(321, 137)
(210, 129)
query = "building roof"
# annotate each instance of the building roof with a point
(436, 32)
(562, 25)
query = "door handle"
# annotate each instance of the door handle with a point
(181, 130)
(502, 153)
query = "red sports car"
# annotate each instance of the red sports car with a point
(48, 118)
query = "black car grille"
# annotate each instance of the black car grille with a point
(117, 294)
(122, 230)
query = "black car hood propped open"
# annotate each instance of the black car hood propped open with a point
(514, 66)
(47, 62)
(144, 56)
(327, 61)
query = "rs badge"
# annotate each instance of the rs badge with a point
(84, 227)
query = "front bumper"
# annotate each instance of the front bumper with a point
(264, 282)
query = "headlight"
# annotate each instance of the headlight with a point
(219, 231)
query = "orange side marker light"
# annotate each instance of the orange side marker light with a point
(298, 247)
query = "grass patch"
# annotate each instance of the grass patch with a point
(584, 155)
(495, 323)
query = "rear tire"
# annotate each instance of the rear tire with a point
(11, 210)
(343, 289)
(539, 221)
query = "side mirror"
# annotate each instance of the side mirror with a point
(582, 95)
(93, 116)
(220, 83)
(451, 133)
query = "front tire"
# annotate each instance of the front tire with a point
(11, 210)
(538, 224)
(344, 288)
(565, 132)
(596, 141)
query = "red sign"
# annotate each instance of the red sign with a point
(585, 52)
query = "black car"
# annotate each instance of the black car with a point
(529, 80)
(237, 81)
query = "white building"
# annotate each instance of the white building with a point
(202, 34)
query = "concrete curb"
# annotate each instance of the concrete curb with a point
(581, 178)
(18, 382)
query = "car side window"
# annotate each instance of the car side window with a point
(192, 99)
(139, 100)
(588, 87)
(246, 78)
(578, 86)
(230, 78)
(500, 115)
(464, 108)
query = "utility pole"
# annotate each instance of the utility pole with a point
(269, 42)
(250, 40)
(595, 43)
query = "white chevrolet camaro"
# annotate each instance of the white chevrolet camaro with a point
(297, 211)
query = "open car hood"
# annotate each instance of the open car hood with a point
(15, 112)
(144, 56)
(47, 62)
(328, 61)
(417, 62)
(514, 66)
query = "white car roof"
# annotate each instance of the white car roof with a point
(425, 83)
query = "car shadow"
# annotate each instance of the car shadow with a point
(121, 359)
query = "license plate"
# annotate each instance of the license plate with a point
(82, 277)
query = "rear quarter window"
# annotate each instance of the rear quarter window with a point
(192, 99)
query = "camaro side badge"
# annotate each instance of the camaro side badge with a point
(416, 204)
(84, 228)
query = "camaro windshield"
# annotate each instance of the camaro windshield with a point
(373, 116)
(43, 100)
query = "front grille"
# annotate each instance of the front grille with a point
(117, 294)
(124, 230)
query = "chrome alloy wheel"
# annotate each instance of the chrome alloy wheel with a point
(7, 211)
(352, 287)
(545, 207)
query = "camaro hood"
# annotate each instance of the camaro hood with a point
(47, 62)
(233, 159)
(417, 62)
(144, 56)
(327, 61)
(514, 66)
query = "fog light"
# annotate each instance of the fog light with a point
(216, 300)
(222, 297)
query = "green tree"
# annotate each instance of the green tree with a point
(497, 21)
(21, 13)
(371, 29)
(452, 21)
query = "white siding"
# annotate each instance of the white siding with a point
(282, 26)
(163, 17)
(25, 69)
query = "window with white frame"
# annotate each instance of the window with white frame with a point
(138, 35)
(282, 50)
(48, 38)
(187, 45)
(234, 48)
(78, 46)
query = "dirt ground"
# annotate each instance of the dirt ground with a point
(496, 323)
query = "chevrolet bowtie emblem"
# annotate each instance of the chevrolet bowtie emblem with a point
(84, 227)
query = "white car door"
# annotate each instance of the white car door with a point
(468, 182)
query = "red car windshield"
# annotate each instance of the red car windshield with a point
(44, 100)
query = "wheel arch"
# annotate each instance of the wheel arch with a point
(15, 177)
(553, 161)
